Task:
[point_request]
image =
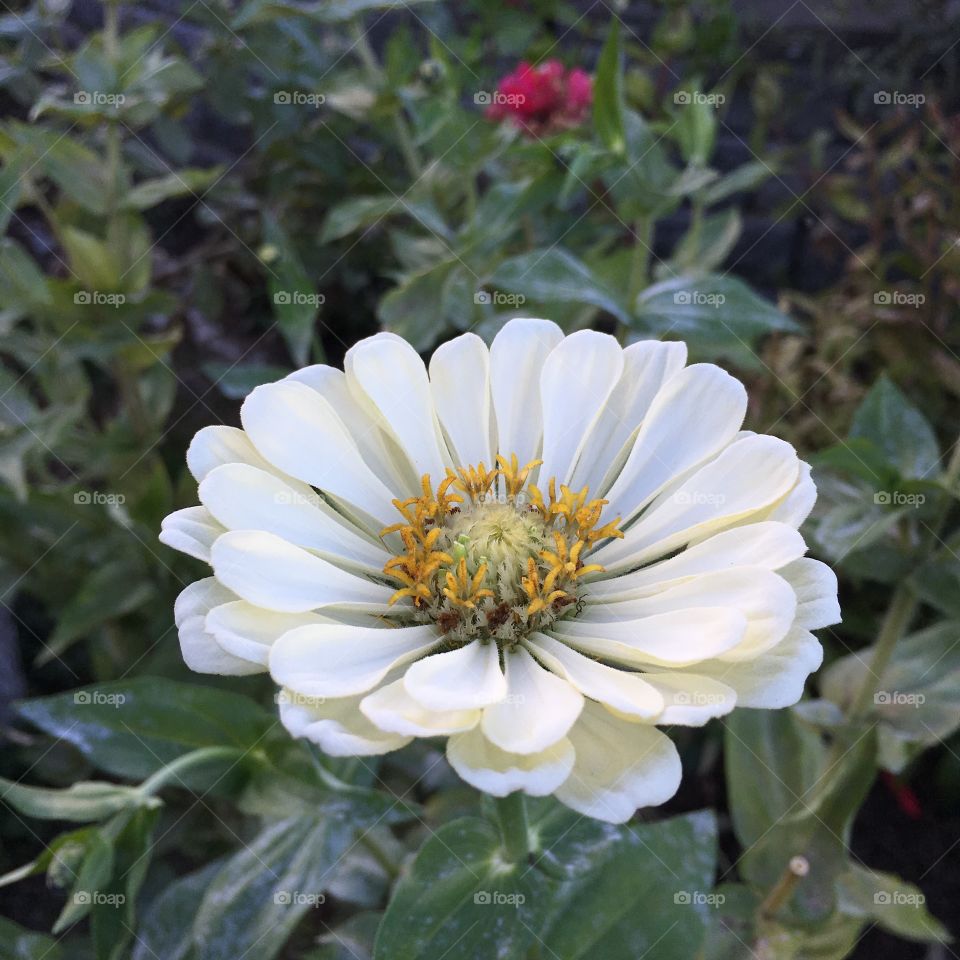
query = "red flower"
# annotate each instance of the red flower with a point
(544, 98)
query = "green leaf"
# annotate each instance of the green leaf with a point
(106, 593)
(715, 313)
(16, 943)
(608, 92)
(359, 212)
(896, 905)
(695, 129)
(92, 261)
(554, 275)
(898, 429)
(293, 296)
(94, 874)
(81, 802)
(460, 900)
(705, 246)
(131, 728)
(24, 285)
(235, 381)
(262, 892)
(635, 890)
(918, 695)
(182, 183)
(745, 177)
(166, 930)
(413, 309)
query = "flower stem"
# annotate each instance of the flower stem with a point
(172, 770)
(512, 813)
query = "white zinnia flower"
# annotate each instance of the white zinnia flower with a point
(540, 551)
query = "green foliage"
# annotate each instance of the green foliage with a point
(152, 276)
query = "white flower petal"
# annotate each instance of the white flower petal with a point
(764, 598)
(628, 693)
(669, 639)
(517, 355)
(747, 476)
(577, 378)
(767, 544)
(332, 385)
(774, 679)
(537, 711)
(460, 382)
(199, 648)
(462, 679)
(494, 771)
(816, 587)
(796, 505)
(619, 767)
(648, 365)
(247, 631)
(691, 699)
(336, 725)
(242, 497)
(296, 429)
(192, 530)
(337, 660)
(214, 446)
(388, 378)
(694, 416)
(271, 573)
(391, 708)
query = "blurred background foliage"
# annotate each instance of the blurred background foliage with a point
(196, 198)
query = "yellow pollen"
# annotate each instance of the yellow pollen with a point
(445, 567)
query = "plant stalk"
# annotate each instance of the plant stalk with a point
(512, 813)
(172, 771)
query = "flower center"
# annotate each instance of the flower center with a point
(487, 556)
